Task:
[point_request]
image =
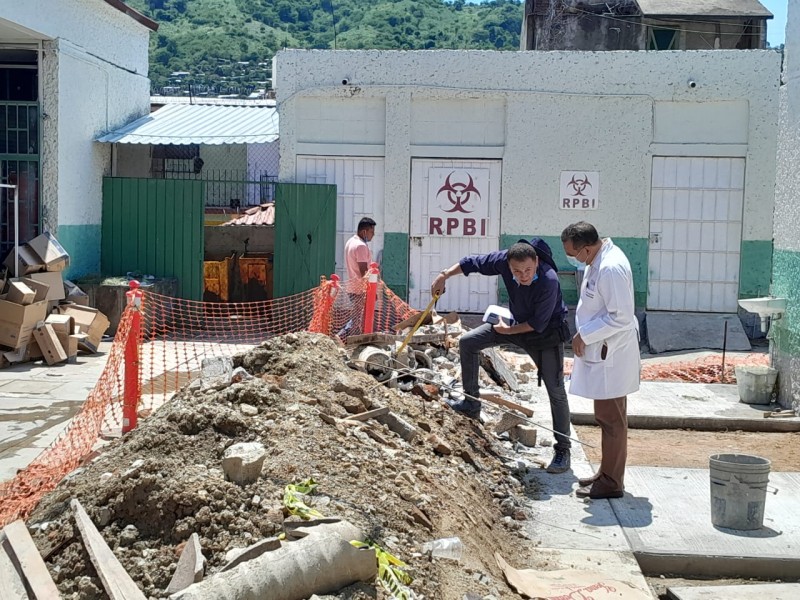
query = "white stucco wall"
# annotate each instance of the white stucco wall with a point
(95, 26)
(93, 71)
(541, 113)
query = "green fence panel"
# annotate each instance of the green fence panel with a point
(154, 226)
(305, 236)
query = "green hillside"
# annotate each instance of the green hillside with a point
(226, 46)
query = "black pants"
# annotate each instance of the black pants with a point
(549, 361)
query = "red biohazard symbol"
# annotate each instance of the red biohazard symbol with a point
(579, 185)
(459, 194)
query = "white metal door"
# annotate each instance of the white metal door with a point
(433, 247)
(695, 233)
(359, 193)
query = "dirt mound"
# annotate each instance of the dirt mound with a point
(149, 491)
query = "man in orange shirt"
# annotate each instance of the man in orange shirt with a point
(356, 252)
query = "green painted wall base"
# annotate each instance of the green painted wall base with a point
(785, 332)
(82, 242)
(755, 271)
(394, 265)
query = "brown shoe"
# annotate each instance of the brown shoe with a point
(589, 492)
(587, 481)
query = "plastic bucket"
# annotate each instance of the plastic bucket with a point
(738, 490)
(755, 384)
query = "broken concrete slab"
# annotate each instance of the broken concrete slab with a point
(498, 369)
(242, 462)
(190, 566)
(750, 591)
(667, 331)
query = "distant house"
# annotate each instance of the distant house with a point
(644, 25)
(68, 71)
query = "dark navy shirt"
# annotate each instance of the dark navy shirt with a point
(539, 304)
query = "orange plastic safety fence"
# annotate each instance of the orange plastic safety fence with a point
(176, 336)
(102, 408)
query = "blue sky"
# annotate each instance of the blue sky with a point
(776, 28)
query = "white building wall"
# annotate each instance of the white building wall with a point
(94, 79)
(582, 110)
(542, 113)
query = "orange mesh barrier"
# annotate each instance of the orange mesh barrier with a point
(175, 336)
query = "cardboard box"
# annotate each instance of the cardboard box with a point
(56, 291)
(89, 321)
(17, 322)
(29, 262)
(19, 293)
(40, 288)
(76, 294)
(62, 324)
(16, 356)
(48, 343)
(50, 251)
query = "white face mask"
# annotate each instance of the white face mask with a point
(576, 263)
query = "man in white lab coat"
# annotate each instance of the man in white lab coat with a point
(606, 367)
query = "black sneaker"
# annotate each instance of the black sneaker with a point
(560, 462)
(468, 408)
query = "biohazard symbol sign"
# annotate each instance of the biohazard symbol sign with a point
(579, 185)
(459, 195)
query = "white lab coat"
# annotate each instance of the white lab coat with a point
(605, 316)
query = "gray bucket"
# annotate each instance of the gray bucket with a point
(738, 490)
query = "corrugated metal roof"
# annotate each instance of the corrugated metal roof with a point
(258, 215)
(200, 124)
(703, 8)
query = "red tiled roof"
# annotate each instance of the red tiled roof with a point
(258, 215)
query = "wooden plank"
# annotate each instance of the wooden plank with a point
(370, 414)
(22, 552)
(116, 581)
(500, 401)
(12, 584)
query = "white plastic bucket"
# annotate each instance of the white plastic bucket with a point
(755, 383)
(738, 490)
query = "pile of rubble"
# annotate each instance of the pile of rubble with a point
(212, 470)
(42, 316)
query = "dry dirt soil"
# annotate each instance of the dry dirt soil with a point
(149, 491)
(691, 449)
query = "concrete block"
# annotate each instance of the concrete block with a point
(401, 427)
(524, 434)
(242, 462)
(507, 422)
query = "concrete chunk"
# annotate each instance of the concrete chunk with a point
(190, 566)
(242, 462)
(216, 372)
(401, 427)
(524, 434)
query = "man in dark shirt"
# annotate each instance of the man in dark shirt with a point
(534, 298)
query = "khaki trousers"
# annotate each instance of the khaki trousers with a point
(612, 417)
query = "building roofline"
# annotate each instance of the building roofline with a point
(134, 14)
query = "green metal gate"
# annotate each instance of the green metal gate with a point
(19, 165)
(154, 226)
(305, 236)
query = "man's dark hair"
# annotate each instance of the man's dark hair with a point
(520, 251)
(365, 223)
(581, 234)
